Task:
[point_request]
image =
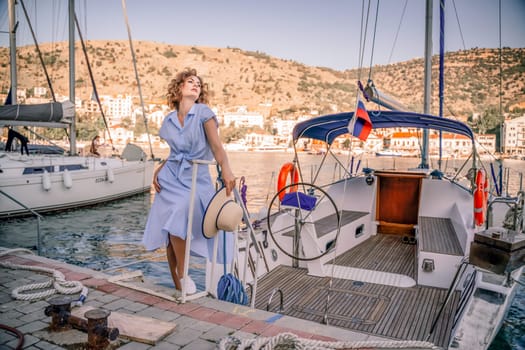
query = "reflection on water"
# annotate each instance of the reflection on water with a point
(108, 236)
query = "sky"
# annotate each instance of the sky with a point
(324, 33)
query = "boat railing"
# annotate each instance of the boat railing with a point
(455, 282)
(184, 297)
(251, 230)
(34, 213)
(515, 204)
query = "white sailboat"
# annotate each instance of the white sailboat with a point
(47, 182)
(399, 254)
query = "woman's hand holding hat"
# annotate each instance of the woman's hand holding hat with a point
(229, 181)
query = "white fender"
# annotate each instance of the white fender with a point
(66, 177)
(110, 175)
(46, 180)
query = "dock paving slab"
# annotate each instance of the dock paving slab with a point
(200, 324)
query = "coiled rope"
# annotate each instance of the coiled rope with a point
(292, 341)
(58, 282)
(229, 287)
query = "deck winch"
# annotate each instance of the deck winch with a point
(498, 250)
(96, 326)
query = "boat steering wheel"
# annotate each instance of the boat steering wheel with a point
(296, 223)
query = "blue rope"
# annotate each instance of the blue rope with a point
(229, 287)
(243, 190)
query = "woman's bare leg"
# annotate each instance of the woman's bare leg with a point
(179, 248)
(172, 262)
(176, 253)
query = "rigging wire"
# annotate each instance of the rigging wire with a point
(54, 31)
(500, 71)
(84, 50)
(373, 43)
(85, 18)
(459, 24)
(82, 13)
(145, 118)
(449, 109)
(39, 52)
(362, 36)
(441, 73)
(362, 46)
(397, 31)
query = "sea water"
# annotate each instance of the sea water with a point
(107, 237)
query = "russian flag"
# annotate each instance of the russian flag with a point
(362, 123)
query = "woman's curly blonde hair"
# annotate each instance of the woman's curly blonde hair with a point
(174, 88)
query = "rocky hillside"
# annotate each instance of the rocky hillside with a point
(239, 77)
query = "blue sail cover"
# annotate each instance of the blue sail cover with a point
(327, 128)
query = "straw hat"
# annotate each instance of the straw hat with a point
(222, 213)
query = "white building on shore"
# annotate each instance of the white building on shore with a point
(514, 136)
(243, 118)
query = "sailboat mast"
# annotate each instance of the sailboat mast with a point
(12, 50)
(441, 72)
(72, 128)
(427, 81)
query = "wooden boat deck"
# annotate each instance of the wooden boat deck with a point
(438, 235)
(396, 256)
(392, 312)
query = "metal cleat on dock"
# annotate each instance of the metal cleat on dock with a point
(96, 325)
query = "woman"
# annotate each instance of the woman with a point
(191, 130)
(95, 143)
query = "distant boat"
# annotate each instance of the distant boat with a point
(388, 153)
(235, 146)
(267, 147)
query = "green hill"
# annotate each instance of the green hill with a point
(238, 77)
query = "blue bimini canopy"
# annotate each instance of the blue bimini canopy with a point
(328, 127)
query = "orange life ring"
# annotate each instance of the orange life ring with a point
(287, 169)
(480, 198)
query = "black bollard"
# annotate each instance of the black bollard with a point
(99, 334)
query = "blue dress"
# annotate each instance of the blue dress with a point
(170, 208)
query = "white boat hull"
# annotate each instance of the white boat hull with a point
(41, 183)
(443, 236)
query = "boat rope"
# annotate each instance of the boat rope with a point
(58, 282)
(292, 341)
(229, 287)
